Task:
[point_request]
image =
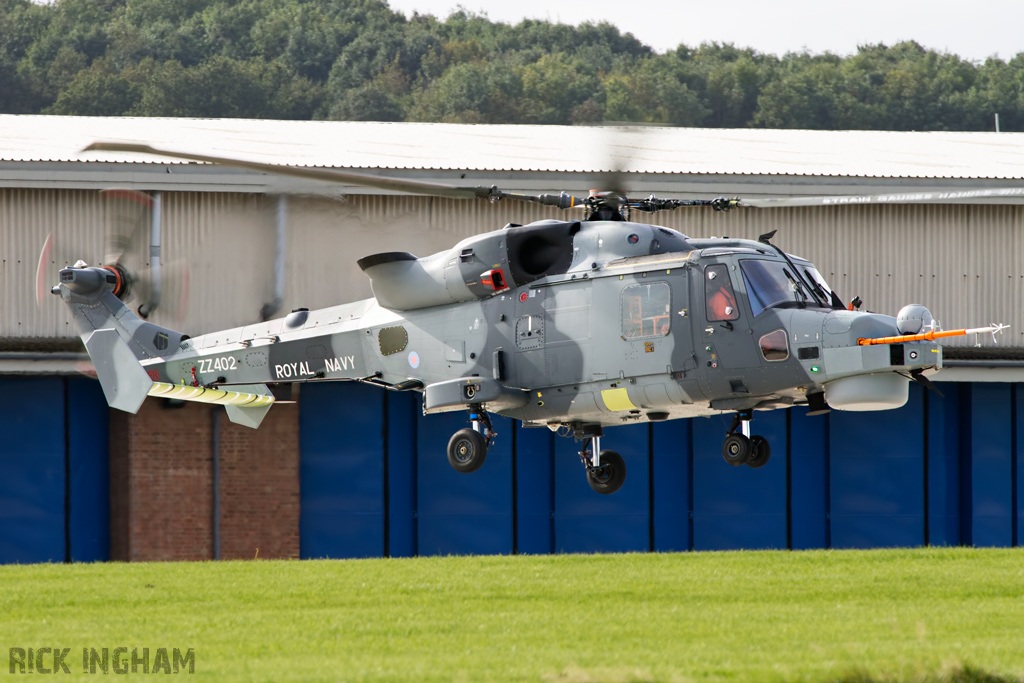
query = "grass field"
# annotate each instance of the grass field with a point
(926, 614)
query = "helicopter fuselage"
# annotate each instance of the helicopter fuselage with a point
(627, 331)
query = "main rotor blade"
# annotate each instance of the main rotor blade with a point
(937, 197)
(323, 174)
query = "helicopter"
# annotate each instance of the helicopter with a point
(574, 325)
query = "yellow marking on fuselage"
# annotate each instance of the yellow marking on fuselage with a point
(617, 399)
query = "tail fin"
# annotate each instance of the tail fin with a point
(114, 336)
(125, 383)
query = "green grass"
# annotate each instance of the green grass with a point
(916, 615)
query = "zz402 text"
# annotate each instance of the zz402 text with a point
(218, 363)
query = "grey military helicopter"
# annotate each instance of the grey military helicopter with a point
(573, 325)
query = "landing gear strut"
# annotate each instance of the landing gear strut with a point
(606, 470)
(744, 449)
(467, 449)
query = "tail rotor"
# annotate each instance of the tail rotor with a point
(129, 256)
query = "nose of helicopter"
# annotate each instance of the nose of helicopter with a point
(858, 376)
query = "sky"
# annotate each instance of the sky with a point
(973, 31)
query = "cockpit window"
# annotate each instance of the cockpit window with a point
(772, 284)
(721, 300)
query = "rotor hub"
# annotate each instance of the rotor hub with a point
(123, 285)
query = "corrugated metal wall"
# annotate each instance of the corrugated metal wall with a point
(966, 263)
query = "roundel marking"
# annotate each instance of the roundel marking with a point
(414, 359)
(523, 297)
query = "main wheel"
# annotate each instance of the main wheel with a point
(760, 452)
(736, 449)
(610, 476)
(467, 450)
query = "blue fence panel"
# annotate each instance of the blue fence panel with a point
(89, 465)
(944, 453)
(463, 514)
(854, 480)
(1019, 461)
(587, 521)
(535, 490)
(672, 463)
(991, 465)
(32, 462)
(877, 476)
(341, 478)
(808, 479)
(403, 407)
(738, 507)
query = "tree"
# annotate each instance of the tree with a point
(97, 91)
(357, 59)
(551, 90)
(224, 87)
(727, 79)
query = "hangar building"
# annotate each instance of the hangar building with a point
(352, 471)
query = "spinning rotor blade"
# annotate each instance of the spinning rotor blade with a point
(41, 270)
(945, 197)
(175, 281)
(612, 181)
(128, 215)
(562, 200)
(327, 175)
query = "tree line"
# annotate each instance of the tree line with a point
(359, 60)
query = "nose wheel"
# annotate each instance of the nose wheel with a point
(742, 448)
(467, 449)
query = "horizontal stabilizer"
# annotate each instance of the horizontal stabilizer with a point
(247, 395)
(125, 383)
(245, 404)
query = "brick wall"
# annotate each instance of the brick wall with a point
(161, 477)
(259, 486)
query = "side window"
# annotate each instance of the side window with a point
(774, 346)
(721, 300)
(646, 310)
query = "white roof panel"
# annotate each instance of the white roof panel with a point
(441, 146)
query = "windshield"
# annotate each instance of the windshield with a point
(815, 279)
(772, 284)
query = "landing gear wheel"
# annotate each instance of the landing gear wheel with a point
(760, 452)
(610, 476)
(467, 450)
(736, 449)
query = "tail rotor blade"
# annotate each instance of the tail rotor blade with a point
(128, 215)
(173, 294)
(42, 270)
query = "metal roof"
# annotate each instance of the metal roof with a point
(519, 148)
